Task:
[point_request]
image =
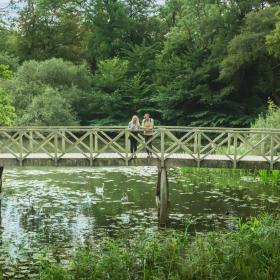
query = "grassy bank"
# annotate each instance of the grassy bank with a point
(250, 253)
(229, 177)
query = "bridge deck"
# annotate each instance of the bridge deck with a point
(119, 159)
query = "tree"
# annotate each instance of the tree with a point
(108, 97)
(51, 29)
(248, 69)
(210, 63)
(116, 93)
(115, 26)
(109, 24)
(214, 68)
(8, 38)
(188, 89)
(273, 39)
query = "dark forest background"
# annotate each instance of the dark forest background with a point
(98, 62)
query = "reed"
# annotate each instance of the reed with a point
(252, 252)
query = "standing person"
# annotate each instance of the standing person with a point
(148, 125)
(134, 126)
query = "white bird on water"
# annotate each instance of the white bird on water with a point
(124, 197)
(100, 190)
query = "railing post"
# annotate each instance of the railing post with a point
(91, 147)
(55, 147)
(229, 143)
(162, 145)
(198, 148)
(262, 144)
(96, 141)
(126, 135)
(195, 142)
(20, 147)
(63, 142)
(31, 141)
(271, 151)
(235, 150)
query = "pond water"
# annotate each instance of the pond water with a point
(51, 211)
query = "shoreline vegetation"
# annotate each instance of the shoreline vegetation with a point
(251, 252)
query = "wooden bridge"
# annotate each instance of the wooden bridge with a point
(170, 147)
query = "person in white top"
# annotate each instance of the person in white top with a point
(134, 126)
(148, 125)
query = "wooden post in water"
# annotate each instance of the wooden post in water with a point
(1, 173)
(163, 196)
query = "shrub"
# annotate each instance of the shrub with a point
(49, 108)
(271, 119)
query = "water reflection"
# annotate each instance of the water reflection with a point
(63, 208)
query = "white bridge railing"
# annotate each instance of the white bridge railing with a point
(198, 143)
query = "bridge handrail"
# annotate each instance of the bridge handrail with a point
(117, 128)
(168, 141)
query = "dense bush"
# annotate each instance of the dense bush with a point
(71, 84)
(49, 108)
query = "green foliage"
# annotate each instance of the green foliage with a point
(7, 111)
(72, 82)
(48, 109)
(5, 72)
(116, 92)
(8, 38)
(56, 73)
(270, 120)
(110, 23)
(9, 60)
(250, 253)
(51, 29)
(110, 74)
(209, 63)
(273, 39)
(201, 84)
(115, 25)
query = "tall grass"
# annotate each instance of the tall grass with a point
(250, 253)
(270, 120)
(221, 177)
